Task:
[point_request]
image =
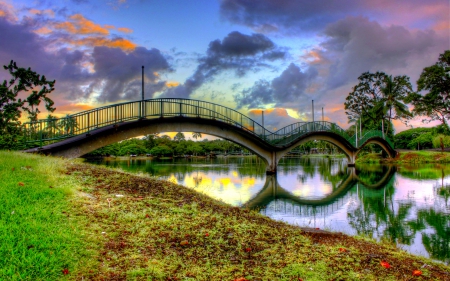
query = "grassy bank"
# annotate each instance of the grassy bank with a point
(111, 225)
(39, 237)
(408, 157)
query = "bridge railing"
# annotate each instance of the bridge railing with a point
(47, 130)
(290, 133)
(51, 130)
(371, 134)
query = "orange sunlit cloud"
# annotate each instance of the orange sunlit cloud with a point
(172, 84)
(72, 108)
(43, 30)
(125, 29)
(81, 25)
(109, 26)
(2, 13)
(121, 43)
(276, 111)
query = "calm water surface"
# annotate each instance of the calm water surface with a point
(408, 205)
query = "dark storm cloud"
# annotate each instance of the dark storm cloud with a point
(237, 52)
(116, 75)
(355, 45)
(287, 89)
(238, 44)
(116, 72)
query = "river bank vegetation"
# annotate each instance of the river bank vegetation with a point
(407, 157)
(64, 220)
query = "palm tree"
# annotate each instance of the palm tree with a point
(196, 135)
(391, 105)
(68, 124)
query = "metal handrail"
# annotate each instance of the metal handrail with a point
(48, 130)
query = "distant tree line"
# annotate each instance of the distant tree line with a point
(164, 146)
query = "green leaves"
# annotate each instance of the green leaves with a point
(22, 80)
(436, 79)
(377, 97)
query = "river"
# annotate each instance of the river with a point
(407, 205)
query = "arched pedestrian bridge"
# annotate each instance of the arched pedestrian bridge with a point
(81, 133)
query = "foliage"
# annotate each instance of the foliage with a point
(11, 107)
(177, 147)
(402, 139)
(436, 80)
(441, 140)
(378, 99)
(179, 137)
(421, 141)
(161, 150)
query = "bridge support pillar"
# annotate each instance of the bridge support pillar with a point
(351, 159)
(272, 162)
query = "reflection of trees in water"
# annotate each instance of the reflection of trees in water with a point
(437, 244)
(378, 216)
(245, 166)
(331, 170)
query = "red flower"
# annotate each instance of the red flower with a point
(147, 215)
(240, 279)
(65, 271)
(184, 243)
(342, 250)
(417, 272)
(206, 234)
(248, 249)
(385, 264)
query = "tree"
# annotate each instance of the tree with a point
(436, 80)
(378, 98)
(22, 80)
(395, 91)
(197, 135)
(179, 137)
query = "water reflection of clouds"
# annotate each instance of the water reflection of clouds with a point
(422, 192)
(231, 189)
(312, 187)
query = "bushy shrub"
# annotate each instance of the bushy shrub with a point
(437, 141)
(403, 139)
(422, 141)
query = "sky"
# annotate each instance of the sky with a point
(271, 55)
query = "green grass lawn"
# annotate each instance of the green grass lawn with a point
(62, 220)
(39, 237)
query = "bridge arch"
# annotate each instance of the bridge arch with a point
(331, 137)
(83, 144)
(382, 143)
(83, 132)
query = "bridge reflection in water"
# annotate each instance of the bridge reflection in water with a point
(276, 202)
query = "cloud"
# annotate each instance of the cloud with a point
(96, 75)
(78, 24)
(237, 52)
(285, 90)
(355, 44)
(125, 30)
(295, 17)
(119, 42)
(274, 118)
(117, 73)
